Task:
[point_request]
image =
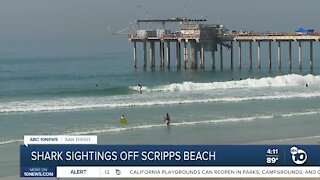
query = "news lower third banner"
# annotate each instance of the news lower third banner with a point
(87, 159)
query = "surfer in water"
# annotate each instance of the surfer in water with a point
(166, 119)
(307, 85)
(140, 88)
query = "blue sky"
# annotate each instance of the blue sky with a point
(90, 18)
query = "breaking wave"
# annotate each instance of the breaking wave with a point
(163, 98)
(95, 103)
(278, 81)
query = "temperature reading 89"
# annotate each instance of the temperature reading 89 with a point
(272, 160)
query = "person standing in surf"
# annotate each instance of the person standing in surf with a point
(166, 119)
(123, 120)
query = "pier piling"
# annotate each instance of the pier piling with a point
(144, 54)
(259, 60)
(290, 55)
(250, 54)
(135, 54)
(152, 54)
(168, 54)
(194, 55)
(240, 64)
(213, 59)
(231, 54)
(185, 54)
(311, 54)
(270, 55)
(202, 56)
(299, 51)
(221, 57)
(279, 54)
(178, 52)
(161, 53)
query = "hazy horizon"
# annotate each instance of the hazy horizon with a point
(90, 19)
(72, 27)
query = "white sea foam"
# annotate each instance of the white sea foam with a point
(185, 123)
(11, 141)
(278, 81)
(177, 124)
(301, 113)
(94, 103)
(288, 140)
(150, 126)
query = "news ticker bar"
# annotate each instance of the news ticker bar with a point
(188, 172)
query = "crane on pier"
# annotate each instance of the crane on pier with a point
(125, 31)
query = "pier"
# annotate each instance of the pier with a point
(196, 37)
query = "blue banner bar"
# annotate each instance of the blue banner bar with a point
(48, 157)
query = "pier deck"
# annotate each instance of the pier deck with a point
(200, 38)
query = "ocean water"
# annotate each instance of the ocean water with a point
(79, 90)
